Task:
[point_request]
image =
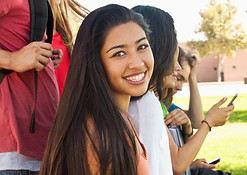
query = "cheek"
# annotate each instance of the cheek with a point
(172, 82)
(179, 85)
(112, 78)
(109, 71)
(168, 82)
(112, 72)
(149, 60)
(115, 70)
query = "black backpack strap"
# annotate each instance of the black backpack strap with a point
(50, 24)
(32, 122)
(41, 19)
(4, 72)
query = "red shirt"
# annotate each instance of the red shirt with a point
(61, 71)
(17, 89)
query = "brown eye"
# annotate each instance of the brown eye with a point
(142, 47)
(119, 54)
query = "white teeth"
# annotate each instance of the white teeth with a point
(136, 78)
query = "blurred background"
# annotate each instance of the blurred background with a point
(218, 30)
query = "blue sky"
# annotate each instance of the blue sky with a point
(185, 13)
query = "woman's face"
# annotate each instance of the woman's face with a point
(183, 76)
(170, 80)
(127, 59)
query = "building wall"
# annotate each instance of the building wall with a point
(207, 70)
(235, 69)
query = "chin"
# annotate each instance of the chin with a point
(139, 92)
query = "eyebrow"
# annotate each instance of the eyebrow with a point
(124, 45)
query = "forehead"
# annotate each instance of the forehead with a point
(184, 63)
(185, 71)
(176, 54)
(124, 33)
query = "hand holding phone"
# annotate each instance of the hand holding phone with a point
(214, 161)
(235, 96)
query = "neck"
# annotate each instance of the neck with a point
(123, 103)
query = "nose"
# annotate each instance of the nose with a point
(135, 61)
(177, 67)
(179, 85)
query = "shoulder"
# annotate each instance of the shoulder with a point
(90, 139)
(93, 148)
(5, 7)
(148, 102)
(146, 108)
(173, 106)
(148, 99)
(90, 130)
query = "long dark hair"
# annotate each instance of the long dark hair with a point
(87, 97)
(163, 41)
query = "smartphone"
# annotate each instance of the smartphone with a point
(214, 161)
(235, 96)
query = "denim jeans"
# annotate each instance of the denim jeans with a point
(18, 172)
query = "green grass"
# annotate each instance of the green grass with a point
(229, 141)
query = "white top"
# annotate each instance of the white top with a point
(147, 117)
(15, 161)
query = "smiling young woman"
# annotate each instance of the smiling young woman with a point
(91, 133)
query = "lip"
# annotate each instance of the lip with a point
(136, 82)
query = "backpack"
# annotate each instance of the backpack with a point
(41, 19)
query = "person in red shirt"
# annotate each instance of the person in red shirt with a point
(20, 149)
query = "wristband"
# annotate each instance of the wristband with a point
(190, 134)
(209, 126)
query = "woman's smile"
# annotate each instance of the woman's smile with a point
(136, 79)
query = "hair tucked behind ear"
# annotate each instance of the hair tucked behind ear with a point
(87, 97)
(163, 41)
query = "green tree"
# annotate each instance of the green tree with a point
(222, 37)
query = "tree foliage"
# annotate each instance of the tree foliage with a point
(222, 36)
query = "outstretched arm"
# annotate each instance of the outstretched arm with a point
(182, 157)
(195, 111)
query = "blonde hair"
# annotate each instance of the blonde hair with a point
(61, 13)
